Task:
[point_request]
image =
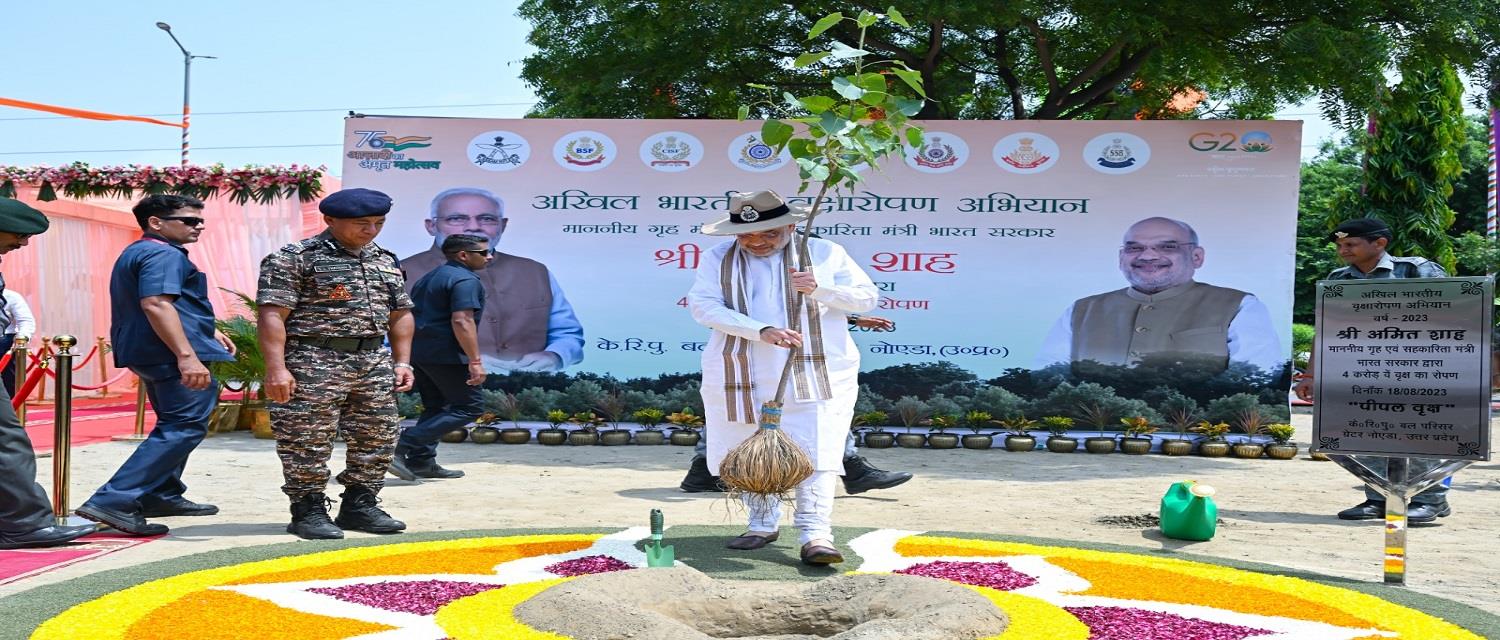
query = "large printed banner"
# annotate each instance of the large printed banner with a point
(996, 245)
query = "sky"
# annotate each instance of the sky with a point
(285, 75)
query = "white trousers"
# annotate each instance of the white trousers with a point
(813, 513)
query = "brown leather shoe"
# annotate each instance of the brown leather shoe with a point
(749, 541)
(819, 555)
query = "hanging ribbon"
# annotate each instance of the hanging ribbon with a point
(81, 113)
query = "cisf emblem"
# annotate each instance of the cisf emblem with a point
(940, 152)
(671, 151)
(584, 151)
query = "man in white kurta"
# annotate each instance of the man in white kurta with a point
(760, 258)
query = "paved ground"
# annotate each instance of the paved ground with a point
(1274, 512)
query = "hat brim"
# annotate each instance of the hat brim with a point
(727, 227)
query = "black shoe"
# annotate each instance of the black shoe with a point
(431, 469)
(310, 519)
(699, 480)
(1367, 510)
(1425, 513)
(45, 536)
(132, 523)
(360, 510)
(178, 506)
(399, 468)
(861, 476)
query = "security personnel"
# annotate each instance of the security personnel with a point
(25, 512)
(445, 352)
(1362, 243)
(327, 304)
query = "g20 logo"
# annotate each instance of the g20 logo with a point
(1228, 141)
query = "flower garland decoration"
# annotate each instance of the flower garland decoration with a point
(262, 184)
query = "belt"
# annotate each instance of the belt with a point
(342, 344)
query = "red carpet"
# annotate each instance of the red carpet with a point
(19, 564)
(91, 423)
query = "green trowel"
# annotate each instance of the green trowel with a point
(658, 555)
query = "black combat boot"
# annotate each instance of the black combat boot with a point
(360, 510)
(861, 476)
(698, 479)
(310, 519)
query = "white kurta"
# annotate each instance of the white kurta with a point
(819, 427)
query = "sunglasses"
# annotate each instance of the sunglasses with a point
(479, 252)
(191, 221)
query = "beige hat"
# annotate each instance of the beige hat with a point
(753, 211)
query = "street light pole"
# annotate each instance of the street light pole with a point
(187, 72)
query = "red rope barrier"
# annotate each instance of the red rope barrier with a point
(106, 383)
(5, 361)
(25, 391)
(88, 357)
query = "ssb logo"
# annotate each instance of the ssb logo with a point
(1228, 142)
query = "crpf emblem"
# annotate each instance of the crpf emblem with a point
(759, 154)
(749, 214)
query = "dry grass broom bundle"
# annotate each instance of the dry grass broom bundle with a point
(768, 463)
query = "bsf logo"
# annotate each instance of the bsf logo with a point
(1228, 142)
(584, 151)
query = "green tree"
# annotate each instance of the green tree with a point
(1069, 59)
(1412, 161)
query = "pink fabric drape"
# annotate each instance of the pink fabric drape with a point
(64, 273)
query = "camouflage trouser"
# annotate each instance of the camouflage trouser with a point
(337, 391)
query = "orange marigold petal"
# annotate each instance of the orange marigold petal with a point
(1111, 580)
(477, 561)
(226, 615)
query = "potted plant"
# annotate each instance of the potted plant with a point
(1095, 415)
(877, 437)
(455, 435)
(484, 431)
(650, 420)
(554, 435)
(1281, 447)
(611, 408)
(911, 412)
(1058, 440)
(1018, 433)
(1137, 440)
(687, 424)
(1180, 413)
(940, 439)
(977, 421)
(1213, 444)
(510, 408)
(248, 368)
(1250, 421)
(587, 432)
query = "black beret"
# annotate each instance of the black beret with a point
(19, 217)
(355, 203)
(1360, 228)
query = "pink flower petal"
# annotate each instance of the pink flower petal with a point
(422, 597)
(995, 575)
(1120, 623)
(587, 565)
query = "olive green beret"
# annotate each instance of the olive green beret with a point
(18, 217)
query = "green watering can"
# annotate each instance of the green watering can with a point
(658, 555)
(1188, 511)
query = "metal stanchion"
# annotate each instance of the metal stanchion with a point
(100, 347)
(140, 415)
(62, 427)
(41, 389)
(19, 356)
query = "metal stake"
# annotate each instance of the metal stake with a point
(62, 428)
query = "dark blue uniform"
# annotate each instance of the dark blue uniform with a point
(152, 266)
(440, 364)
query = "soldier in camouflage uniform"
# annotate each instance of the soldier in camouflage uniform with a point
(326, 305)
